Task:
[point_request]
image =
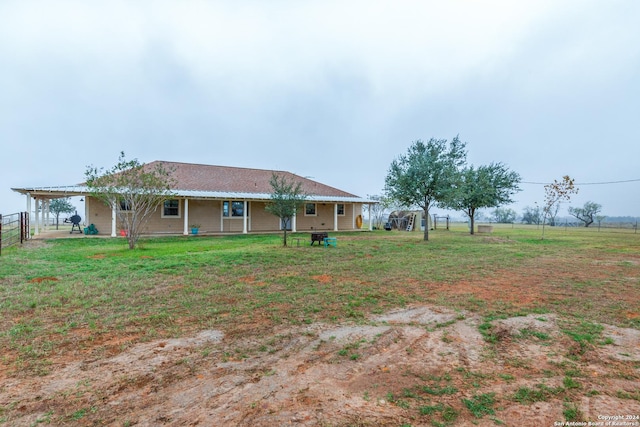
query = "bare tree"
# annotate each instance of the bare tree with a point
(379, 211)
(532, 215)
(133, 190)
(555, 193)
(504, 215)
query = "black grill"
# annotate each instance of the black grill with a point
(75, 222)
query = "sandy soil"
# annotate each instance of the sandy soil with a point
(414, 366)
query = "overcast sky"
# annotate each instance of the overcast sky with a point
(333, 90)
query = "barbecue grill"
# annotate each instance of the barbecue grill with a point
(75, 222)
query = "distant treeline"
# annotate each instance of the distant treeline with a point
(615, 219)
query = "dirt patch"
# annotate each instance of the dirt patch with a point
(422, 365)
(43, 279)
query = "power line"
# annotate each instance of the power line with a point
(585, 183)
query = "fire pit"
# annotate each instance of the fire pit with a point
(318, 237)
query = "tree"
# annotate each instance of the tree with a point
(504, 215)
(587, 213)
(133, 190)
(532, 215)
(426, 174)
(287, 197)
(482, 187)
(552, 214)
(555, 193)
(58, 206)
(379, 211)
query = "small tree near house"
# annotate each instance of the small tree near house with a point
(287, 198)
(133, 190)
(58, 206)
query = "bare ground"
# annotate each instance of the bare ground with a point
(422, 365)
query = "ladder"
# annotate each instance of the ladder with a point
(412, 219)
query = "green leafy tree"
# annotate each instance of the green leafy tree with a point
(426, 174)
(482, 187)
(133, 189)
(59, 206)
(286, 199)
(587, 214)
(554, 193)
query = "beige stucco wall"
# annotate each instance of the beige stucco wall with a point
(208, 215)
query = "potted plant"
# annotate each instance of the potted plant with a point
(195, 228)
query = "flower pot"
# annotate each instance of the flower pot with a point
(194, 230)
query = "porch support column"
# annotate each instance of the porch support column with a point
(29, 212)
(370, 218)
(186, 217)
(221, 215)
(86, 210)
(45, 218)
(244, 218)
(294, 226)
(37, 217)
(335, 217)
(113, 220)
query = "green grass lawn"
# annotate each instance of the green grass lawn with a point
(50, 295)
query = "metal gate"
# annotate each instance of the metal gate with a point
(14, 229)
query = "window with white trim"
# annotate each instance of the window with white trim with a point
(171, 208)
(235, 209)
(340, 209)
(310, 209)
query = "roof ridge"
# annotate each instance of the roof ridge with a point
(221, 166)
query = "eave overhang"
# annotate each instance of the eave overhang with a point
(78, 190)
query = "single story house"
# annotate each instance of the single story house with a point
(220, 199)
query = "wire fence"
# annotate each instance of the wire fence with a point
(14, 229)
(622, 226)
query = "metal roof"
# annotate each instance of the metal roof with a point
(79, 190)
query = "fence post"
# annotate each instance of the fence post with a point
(0, 234)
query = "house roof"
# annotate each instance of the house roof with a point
(217, 182)
(197, 177)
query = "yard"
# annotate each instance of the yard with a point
(384, 329)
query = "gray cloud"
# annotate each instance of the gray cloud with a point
(547, 88)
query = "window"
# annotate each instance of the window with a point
(310, 209)
(235, 209)
(171, 208)
(341, 209)
(125, 205)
